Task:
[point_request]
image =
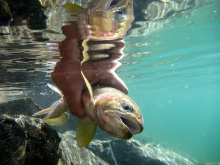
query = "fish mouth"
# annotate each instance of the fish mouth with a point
(131, 124)
(128, 120)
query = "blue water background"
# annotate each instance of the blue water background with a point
(173, 74)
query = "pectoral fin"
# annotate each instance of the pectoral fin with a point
(86, 128)
(62, 119)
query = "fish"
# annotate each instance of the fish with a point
(106, 107)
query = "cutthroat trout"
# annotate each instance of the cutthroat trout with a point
(107, 107)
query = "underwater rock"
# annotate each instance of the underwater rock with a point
(5, 13)
(24, 106)
(26, 140)
(132, 152)
(15, 12)
(166, 155)
(73, 154)
(122, 152)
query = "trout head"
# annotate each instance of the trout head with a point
(117, 114)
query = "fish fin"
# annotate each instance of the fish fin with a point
(89, 87)
(55, 89)
(73, 8)
(44, 111)
(60, 120)
(86, 129)
(51, 109)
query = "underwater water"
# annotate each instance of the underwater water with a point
(173, 74)
(171, 68)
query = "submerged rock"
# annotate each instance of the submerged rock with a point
(73, 154)
(123, 152)
(132, 152)
(24, 106)
(26, 140)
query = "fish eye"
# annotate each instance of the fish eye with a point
(128, 108)
(121, 12)
(120, 15)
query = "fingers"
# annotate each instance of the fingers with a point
(113, 80)
(103, 73)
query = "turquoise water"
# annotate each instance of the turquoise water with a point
(173, 74)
